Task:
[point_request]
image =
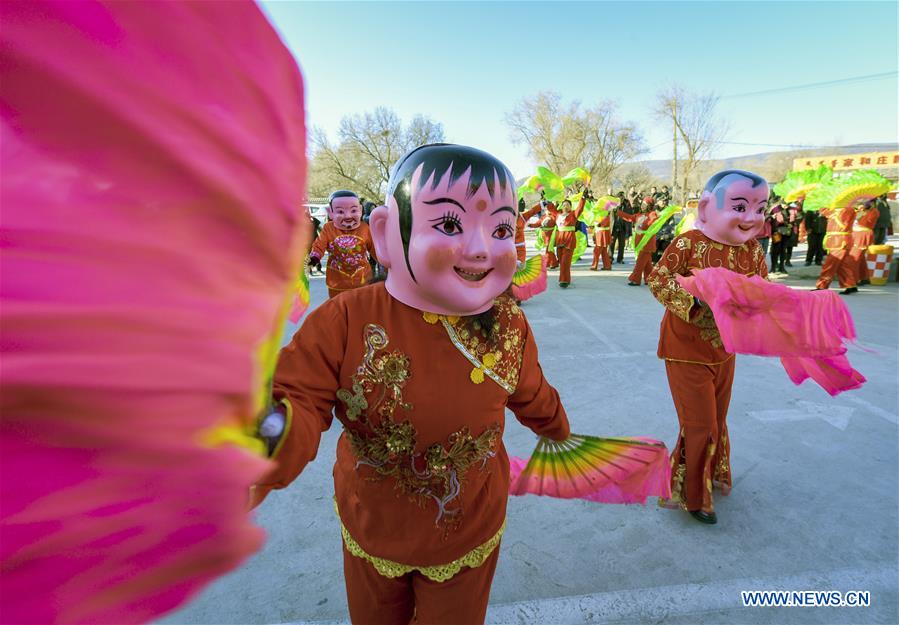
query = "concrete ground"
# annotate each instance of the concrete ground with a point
(814, 505)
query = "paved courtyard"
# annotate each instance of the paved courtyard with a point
(814, 504)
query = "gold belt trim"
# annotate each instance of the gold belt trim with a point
(861, 229)
(567, 228)
(438, 573)
(829, 234)
(605, 228)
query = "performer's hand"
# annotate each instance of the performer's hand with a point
(315, 261)
(271, 428)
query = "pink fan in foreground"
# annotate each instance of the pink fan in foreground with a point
(149, 240)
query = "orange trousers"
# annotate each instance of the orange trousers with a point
(701, 457)
(601, 251)
(643, 266)
(551, 261)
(377, 600)
(841, 264)
(565, 255)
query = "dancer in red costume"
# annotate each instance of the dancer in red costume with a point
(700, 371)
(566, 239)
(602, 238)
(347, 241)
(419, 371)
(838, 243)
(642, 221)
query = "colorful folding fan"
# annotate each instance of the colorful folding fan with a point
(605, 470)
(551, 184)
(576, 175)
(531, 185)
(153, 158)
(654, 228)
(857, 188)
(301, 297)
(797, 184)
(806, 329)
(607, 203)
(530, 279)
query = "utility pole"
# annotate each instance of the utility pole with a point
(674, 160)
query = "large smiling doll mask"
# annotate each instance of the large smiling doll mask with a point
(732, 207)
(447, 231)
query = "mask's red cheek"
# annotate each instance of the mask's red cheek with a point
(440, 258)
(507, 262)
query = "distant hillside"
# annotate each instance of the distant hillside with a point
(771, 165)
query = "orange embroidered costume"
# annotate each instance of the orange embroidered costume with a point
(419, 370)
(566, 239)
(420, 482)
(700, 371)
(348, 253)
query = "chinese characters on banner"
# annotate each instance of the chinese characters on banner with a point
(845, 162)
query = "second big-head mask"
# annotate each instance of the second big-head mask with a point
(732, 207)
(345, 210)
(447, 229)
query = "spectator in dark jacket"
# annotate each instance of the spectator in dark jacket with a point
(815, 228)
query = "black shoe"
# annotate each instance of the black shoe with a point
(709, 518)
(563, 285)
(808, 263)
(849, 291)
(781, 270)
(789, 264)
(864, 282)
(818, 262)
(629, 283)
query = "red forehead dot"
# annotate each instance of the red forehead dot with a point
(481, 205)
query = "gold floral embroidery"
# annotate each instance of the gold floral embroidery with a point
(708, 329)
(692, 251)
(496, 354)
(438, 573)
(664, 286)
(388, 445)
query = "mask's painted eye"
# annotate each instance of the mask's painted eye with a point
(449, 224)
(740, 208)
(503, 231)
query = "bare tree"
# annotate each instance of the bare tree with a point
(564, 136)
(697, 127)
(369, 144)
(635, 175)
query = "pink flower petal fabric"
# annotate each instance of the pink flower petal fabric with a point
(805, 329)
(152, 170)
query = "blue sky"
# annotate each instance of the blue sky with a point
(466, 64)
